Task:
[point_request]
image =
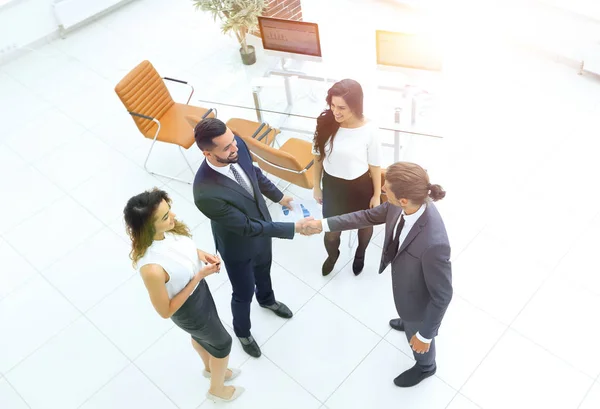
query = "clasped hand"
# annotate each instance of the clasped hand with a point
(309, 226)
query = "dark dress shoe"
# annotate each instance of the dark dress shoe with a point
(280, 309)
(329, 264)
(358, 264)
(250, 346)
(397, 324)
(413, 376)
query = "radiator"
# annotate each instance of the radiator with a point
(70, 13)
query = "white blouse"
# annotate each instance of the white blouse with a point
(354, 149)
(178, 256)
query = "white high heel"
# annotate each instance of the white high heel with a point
(236, 394)
(234, 374)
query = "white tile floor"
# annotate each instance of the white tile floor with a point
(77, 330)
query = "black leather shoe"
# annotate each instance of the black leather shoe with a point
(397, 324)
(329, 264)
(280, 309)
(413, 376)
(250, 346)
(358, 264)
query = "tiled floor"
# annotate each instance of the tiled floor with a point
(518, 160)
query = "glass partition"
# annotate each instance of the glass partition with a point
(398, 142)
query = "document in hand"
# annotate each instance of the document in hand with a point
(301, 209)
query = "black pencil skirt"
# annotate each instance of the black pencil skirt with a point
(198, 317)
(341, 196)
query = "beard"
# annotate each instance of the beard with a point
(228, 160)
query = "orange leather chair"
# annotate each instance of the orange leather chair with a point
(245, 129)
(155, 113)
(251, 129)
(293, 162)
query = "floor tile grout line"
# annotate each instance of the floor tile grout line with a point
(16, 391)
(292, 378)
(413, 359)
(287, 321)
(509, 327)
(84, 313)
(464, 397)
(353, 370)
(273, 335)
(563, 360)
(84, 316)
(587, 393)
(44, 278)
(131, 361)
(350, 315)
(469, 243)
(91, 396)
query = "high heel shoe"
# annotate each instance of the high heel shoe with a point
(358, 264)
(236, 394)
(234, 374)
(329, 264)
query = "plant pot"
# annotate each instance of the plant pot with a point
(250, 57)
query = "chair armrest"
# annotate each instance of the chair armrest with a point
(207, 113)
(182, 82)
(175, 80)
(141, 116)
(150, 119)
(265, 133)
(260, 127)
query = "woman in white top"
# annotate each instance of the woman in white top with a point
(347, 161)
(170, 265)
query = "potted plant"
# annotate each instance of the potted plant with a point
(237, 16)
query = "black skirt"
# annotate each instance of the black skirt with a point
(341, 196)
(198, 317)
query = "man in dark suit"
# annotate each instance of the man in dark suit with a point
(229, 190)
(417, 247)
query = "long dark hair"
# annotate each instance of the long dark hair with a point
(410, 181)
(139, 219)
(327, 126)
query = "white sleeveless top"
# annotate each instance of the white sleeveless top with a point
(178, 256)
(354, 149)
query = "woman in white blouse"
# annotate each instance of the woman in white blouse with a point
(172, 269)
(348, 163)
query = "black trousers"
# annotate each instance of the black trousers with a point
(247, 278)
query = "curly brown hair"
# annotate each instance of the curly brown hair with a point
(139, 216)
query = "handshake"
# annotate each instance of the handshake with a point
(309, 226)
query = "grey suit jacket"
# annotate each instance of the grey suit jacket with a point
(421, 270)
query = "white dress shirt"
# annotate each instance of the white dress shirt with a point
(226, 171)
(409, 222)
(354, 149)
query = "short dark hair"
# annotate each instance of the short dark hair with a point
(207, 130)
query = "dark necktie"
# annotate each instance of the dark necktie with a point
(392, 247)
(241, 180)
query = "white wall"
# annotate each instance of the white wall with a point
(587, 8)
(23, 22)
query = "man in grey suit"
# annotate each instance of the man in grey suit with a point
(417, 247)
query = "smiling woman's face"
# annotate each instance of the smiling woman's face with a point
(164, 218)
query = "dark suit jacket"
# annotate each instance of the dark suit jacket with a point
(421, 270)
(238, 220)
